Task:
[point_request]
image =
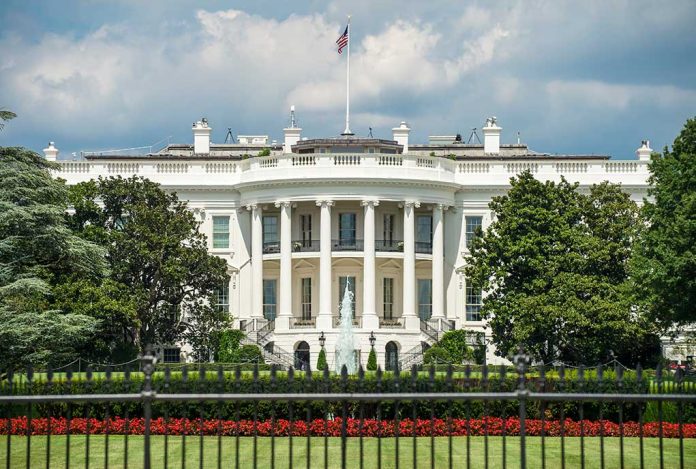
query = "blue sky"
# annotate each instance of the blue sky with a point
(571, 77)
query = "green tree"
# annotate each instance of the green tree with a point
(154, 249)
(372, 360)
(321, 360)
(37, 253)
(554, 265)
(665, 264)
(5, 116)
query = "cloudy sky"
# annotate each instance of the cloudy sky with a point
(571, 77)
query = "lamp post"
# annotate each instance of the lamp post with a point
(322, 339)
(373, 339)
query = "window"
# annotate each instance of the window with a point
(473, 229)
(221, 232)
(424, 229)
(269, 299)
(342, 281)
(388, 294)
(346, 228)
(388, 231)
(307, 298)
(473, 304)
(270, 230)
(391, 356)
(306, 230)
(171, 355)
(222, 298)
(425, 298)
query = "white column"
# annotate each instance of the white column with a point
(409, 283)
(285, 283)
(324, 318)
(370, 319)
(438, 263)
(256, 261)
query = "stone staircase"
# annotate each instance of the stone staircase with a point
(260, 333)
(431, 333)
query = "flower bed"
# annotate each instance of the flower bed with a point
(319, 427)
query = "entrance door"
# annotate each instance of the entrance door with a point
(302, 356)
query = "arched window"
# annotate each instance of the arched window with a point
(302, 356)
(391, 356)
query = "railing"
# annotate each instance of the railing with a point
(502, 417)
(263, 333)
(305, 245)
(392, 323)
(346, 244)
(302, 323)
(389, 245)
(429, 331)
(412, 357)
(424, 248)
(271, 247)
(357, 321)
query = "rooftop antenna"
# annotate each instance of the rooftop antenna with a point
(229, 138)
(370, 134)
(473, 135)
(518, 137)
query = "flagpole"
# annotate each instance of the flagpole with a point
(347, 131)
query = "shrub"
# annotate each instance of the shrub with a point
(230, 340)
(265, 152)
(437, 355)
(321, 360)
(372, 360)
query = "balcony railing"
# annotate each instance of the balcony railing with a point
(351, 244)
(305, 245)
(357, 321)
(302, 323)
(389, 245)
(271, 247)
(392, 323)
(424, 248)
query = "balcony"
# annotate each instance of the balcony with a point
(303, 323)
(424, 248)
(350, 244)
(391, 323)
(305, 245)
(357, 322)
(271, 247)
(389, 245)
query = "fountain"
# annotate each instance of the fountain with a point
(345, 347)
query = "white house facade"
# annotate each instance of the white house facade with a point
(389, 219)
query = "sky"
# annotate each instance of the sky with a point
(573, 77)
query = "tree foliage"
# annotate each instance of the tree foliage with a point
(321, 360)
(453, 347)
(372, 360)
(554, 266)
(38, 253)
(156, 253)
(6, 115)
(665, 264)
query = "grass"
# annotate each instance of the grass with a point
(388, 447)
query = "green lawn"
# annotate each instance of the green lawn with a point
(282, 459)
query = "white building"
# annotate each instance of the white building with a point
(390, 218)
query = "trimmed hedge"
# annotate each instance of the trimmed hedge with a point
(208, 382)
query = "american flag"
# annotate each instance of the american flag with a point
(342, 41)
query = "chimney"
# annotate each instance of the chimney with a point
(201, 137)
(491, 137)
(51, 152)
(401, 135)
(643, 152)
(292, 133)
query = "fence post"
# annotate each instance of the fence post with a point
(521, 361)
(147, 394)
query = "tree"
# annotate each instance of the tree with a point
(372, 360)
(37, 253)
(5, 116)
(203, 325)
(321, 360)
(554, 265)
(665, 264)
(155, 250)
(453, 347)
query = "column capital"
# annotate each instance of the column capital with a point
(328, 203)
(410, 203)
(371, 202)
(251, 207)
(283, 203)
(442, 207)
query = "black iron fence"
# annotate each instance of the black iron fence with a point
(517, 416)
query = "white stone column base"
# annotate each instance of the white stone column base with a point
(324, 322)
(412, 323)
(370, 322)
